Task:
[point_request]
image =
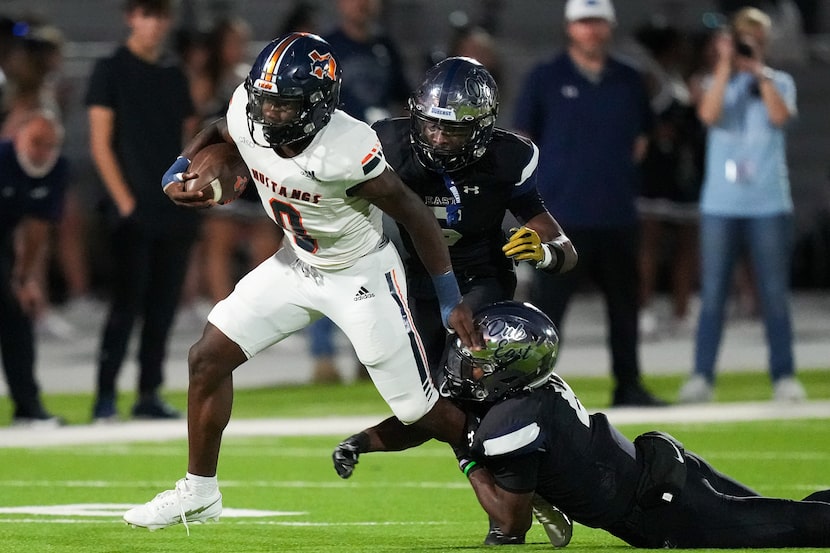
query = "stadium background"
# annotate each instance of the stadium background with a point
(526, 31)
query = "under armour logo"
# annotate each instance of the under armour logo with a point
(471, 189)
(570, 91)
(363, 294)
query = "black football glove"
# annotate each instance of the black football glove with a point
(346, 453)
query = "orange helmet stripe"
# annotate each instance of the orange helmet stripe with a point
(270, 67)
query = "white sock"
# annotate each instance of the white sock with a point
(204, 486)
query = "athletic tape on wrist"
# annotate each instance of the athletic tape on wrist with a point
(446, 288)
(174, 173)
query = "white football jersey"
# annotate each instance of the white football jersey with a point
(306, 195)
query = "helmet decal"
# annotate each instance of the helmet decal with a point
(323, 66)
(506, 333)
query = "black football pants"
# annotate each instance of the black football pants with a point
(17, 343)
(608, 260)
(714, 511)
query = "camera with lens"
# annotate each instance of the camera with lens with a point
(743, 49)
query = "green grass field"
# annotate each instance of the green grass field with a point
(410, 501)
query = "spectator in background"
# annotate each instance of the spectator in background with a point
(746, 201)
(475, 42)
(468, 40)
(34, 64)
(376, 89)
(302, 18)
(590, 115)
(140, 110)
(30, 61)
(671, 169)
(33, 179)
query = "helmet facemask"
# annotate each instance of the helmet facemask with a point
(447, 145)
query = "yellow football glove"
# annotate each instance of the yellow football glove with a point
(524, 245)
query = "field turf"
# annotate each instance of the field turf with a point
(282, 495)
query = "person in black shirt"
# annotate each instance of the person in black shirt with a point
(471, 173)
(32, 192)
(529, 434)
(140, 110)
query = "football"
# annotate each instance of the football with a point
(223, 174)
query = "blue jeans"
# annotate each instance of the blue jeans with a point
(768, 241)
(321, 338)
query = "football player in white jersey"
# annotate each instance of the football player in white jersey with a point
(323, 179)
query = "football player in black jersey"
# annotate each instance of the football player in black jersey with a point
(450, 153)
(472, 174)
(528, 433)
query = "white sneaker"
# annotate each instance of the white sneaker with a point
(648, 324)
(179, 505)
(557, 525)
(696, 390)
(789, 390)
(54, 326)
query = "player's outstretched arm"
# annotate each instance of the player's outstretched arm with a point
(444, 422)
(402, 204)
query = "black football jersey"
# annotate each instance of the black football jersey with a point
(546, 441)
(503, 179)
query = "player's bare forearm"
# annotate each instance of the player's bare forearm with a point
(511, 512)
(390, 194)
(550, 230)
(444, 422)
(393, 435)
(399, 202)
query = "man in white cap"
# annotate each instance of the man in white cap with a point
(589, 114)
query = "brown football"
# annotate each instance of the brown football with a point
(223, 174)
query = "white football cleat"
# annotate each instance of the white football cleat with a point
(557, 525)
(177, 506)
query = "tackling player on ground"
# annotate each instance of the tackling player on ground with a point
(528, 433)
(322, 177)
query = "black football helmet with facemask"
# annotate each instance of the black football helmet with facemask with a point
(297, 73)
(521, 345)
(459, 98)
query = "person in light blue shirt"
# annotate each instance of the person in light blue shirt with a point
(746, 202)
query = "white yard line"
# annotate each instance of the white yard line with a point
(153, 431)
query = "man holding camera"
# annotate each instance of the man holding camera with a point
(746, 202)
